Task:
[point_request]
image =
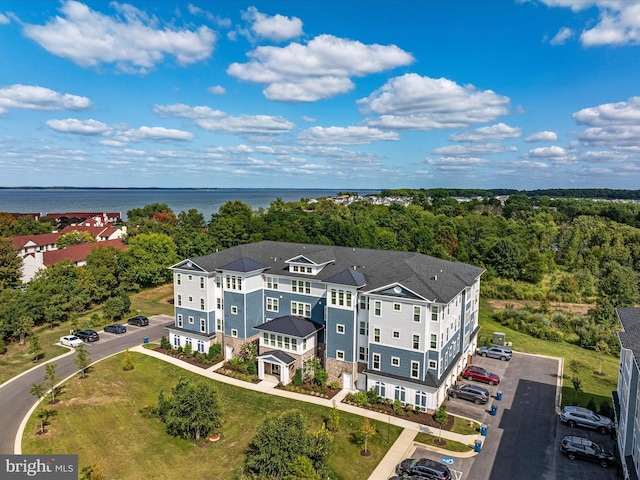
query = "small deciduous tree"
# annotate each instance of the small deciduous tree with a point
(333, 421)
(51, 380)
(441, 416)
(83, 359)
(35, 349)
(367, 430)
(127, 361)
(39, 390)
(23, 327)
(195, 410)
(602, 350)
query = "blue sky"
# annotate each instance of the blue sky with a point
(521, 94)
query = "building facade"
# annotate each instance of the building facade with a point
(403, 323)
(625, 398)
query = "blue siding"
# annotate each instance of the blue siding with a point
(337, 341)
(196, 314)
(255, 310)
(405, 356)
(235, 321)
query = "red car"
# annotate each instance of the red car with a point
(479, 374)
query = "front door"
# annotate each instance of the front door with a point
(228, 352)
(275, 369)
(348, 381)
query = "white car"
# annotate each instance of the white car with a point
(71, 341)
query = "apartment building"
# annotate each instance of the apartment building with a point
(403, 323)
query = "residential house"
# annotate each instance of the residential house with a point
(403, 323)
(625, 398)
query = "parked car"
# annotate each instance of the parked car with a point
(115, 328)
(70, 341)
(580, 447)
(583, 417)
(473, 393)
(139, 321)
(479, 374)
(88, 336)
(503, 353)
(423, 467)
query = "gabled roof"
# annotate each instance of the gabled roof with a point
(291, 325)
(39, 240)
(280, 355)
(243, 265)
(347, 277)
(630, 334)
(78, 253)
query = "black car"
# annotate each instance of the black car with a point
(138, 321)
(423, 468)
(580, 447)
(473, 393)
(115, 328)
(88, 335)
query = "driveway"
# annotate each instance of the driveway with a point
(15, 399)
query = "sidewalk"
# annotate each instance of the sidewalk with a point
(403, 446)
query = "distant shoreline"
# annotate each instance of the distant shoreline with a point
(169, 188)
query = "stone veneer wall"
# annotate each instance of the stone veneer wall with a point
(335, 369)
(235, 342)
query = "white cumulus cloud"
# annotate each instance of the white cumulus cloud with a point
(562, 36)
(276, 28)
(82, 127)
(473, 149)
(422, 103)
(620, 113)
(217, 90)
(31, 97)
(499, 131)
(544, 136)
(344, 135)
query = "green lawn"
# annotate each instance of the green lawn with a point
(98, 418)
(598, 387)
(451, 445)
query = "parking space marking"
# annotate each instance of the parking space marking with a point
(457, 474)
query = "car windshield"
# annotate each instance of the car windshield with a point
(596, 448)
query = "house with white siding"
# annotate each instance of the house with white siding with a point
(403, 323)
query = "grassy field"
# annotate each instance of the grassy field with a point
(98, 418)
(598, 387)
(432, 440)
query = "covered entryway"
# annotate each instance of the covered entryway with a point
(275, 363)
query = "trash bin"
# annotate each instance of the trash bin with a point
(499, 395)
(477, 446)
(494, 410)
(145, 340)
(483, 430)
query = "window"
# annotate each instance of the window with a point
(179, 300)
(363, 302)
(179, 320)
(349, 299)
(376, 334)
(202, 304)
(234, 310)
(200, 346)
(295, 268)
(364, 328)
(272, 304)
(287, 343)
(176, 341)
(416, 314)
(309, 270)
(218, 281)
(434, 313)
(396, 307)
(434, 341)
(396, 334)
(190, 277)
(340, 329)
(400, 393)
(179, 282)
(233, 282)
(381, 389)
(294, 345)
(363, 354)
(376, 361)
(203, 325)
(201, 282)
(279, 341)
(190, 299)
(416, 342)
(376, 308)
(234, 332)
(303, 309)
(219, 303)
(395, 361)
(433, 364)
(304, 344)
(272, 283)
(341, 298)
(219, 325)
(190, 319)
(339, 354)
(421, 400)
(415, 370)
(300, 286)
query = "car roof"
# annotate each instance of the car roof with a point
(571, 408)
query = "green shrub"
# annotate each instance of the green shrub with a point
(606, 409)
(164, 343)
(214, 350)
(361, 399)
(320, 376)
(148, 411)
(3, 347)
(297, 377)
(397, 407)
(373, 396)
(188, 350)
(334, 385)
(591, 405)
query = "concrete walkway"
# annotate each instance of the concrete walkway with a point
(403, 446)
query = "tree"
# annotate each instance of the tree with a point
(10, 264)
(24, 326)
(127, 361)
(619, 284)
(195, 411)
(441, 416)
(83, 359)
(302, 469)
(74, 237)
(602, 350)
(51, 380)
(576, 367)
(39, 390)
(333, 421)
(146, 260)
(116, 306)
(367, 430)
(35, 349)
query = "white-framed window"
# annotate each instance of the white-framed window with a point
(381, 389)
(179, 282)
(302, 309)
(377, 308)
(309, 270)
(219, 304)
(190, 319)
(202, 304)
(396, 334)
(179, 320)
(179, 300)
(190, 278)
(415, 369)
(434, 341)
(187, 341)
(300, 286)
(272, 283)
(363, 302)
(433, 364)
(364, 328)
(280, 341)
(416, 314)
(434, 313)
(176, 341)
(363, 354)
(375, 364)
(397, 307)
(272, 304)
(395, 362)
(202, 282)
(416, 342)
(190, 299)
(203, 325)
(234, 310)
(296, 268)
(376, 334)
(200, 346)
(218, 281)
(234, 332)
(339, 354)
(400, 393)
(340, 329)
(219, 324)
(233, 282)
(304, 344)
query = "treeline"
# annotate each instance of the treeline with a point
(590, 193)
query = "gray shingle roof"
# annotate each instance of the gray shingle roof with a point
(291, 325)
(348, 277)
(280, 355)
(243, 265)
(432, 278)
(630, 335)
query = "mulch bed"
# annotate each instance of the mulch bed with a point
(325, 392)
(422, 418)
(184, 358)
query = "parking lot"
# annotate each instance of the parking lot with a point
(523, 438)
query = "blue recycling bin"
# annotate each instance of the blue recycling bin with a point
(477, 446)
(494, 410)
(483, 430)
(145, 340)
(499, 395)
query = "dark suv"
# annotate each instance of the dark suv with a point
(423, 468)
(473, 393)
(138, 321)
(580, 447)
(88, 336)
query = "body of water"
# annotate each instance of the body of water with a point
(43, 200)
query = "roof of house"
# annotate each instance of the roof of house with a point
(280, 355)
(94, 231)
(40, 240)
(432, 278)
(78, 253)
(630, 334)
(85, 214)
(291, 325)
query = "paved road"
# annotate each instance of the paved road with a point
(15, 399)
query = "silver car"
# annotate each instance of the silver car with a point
(583, 417)
(496, 351)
